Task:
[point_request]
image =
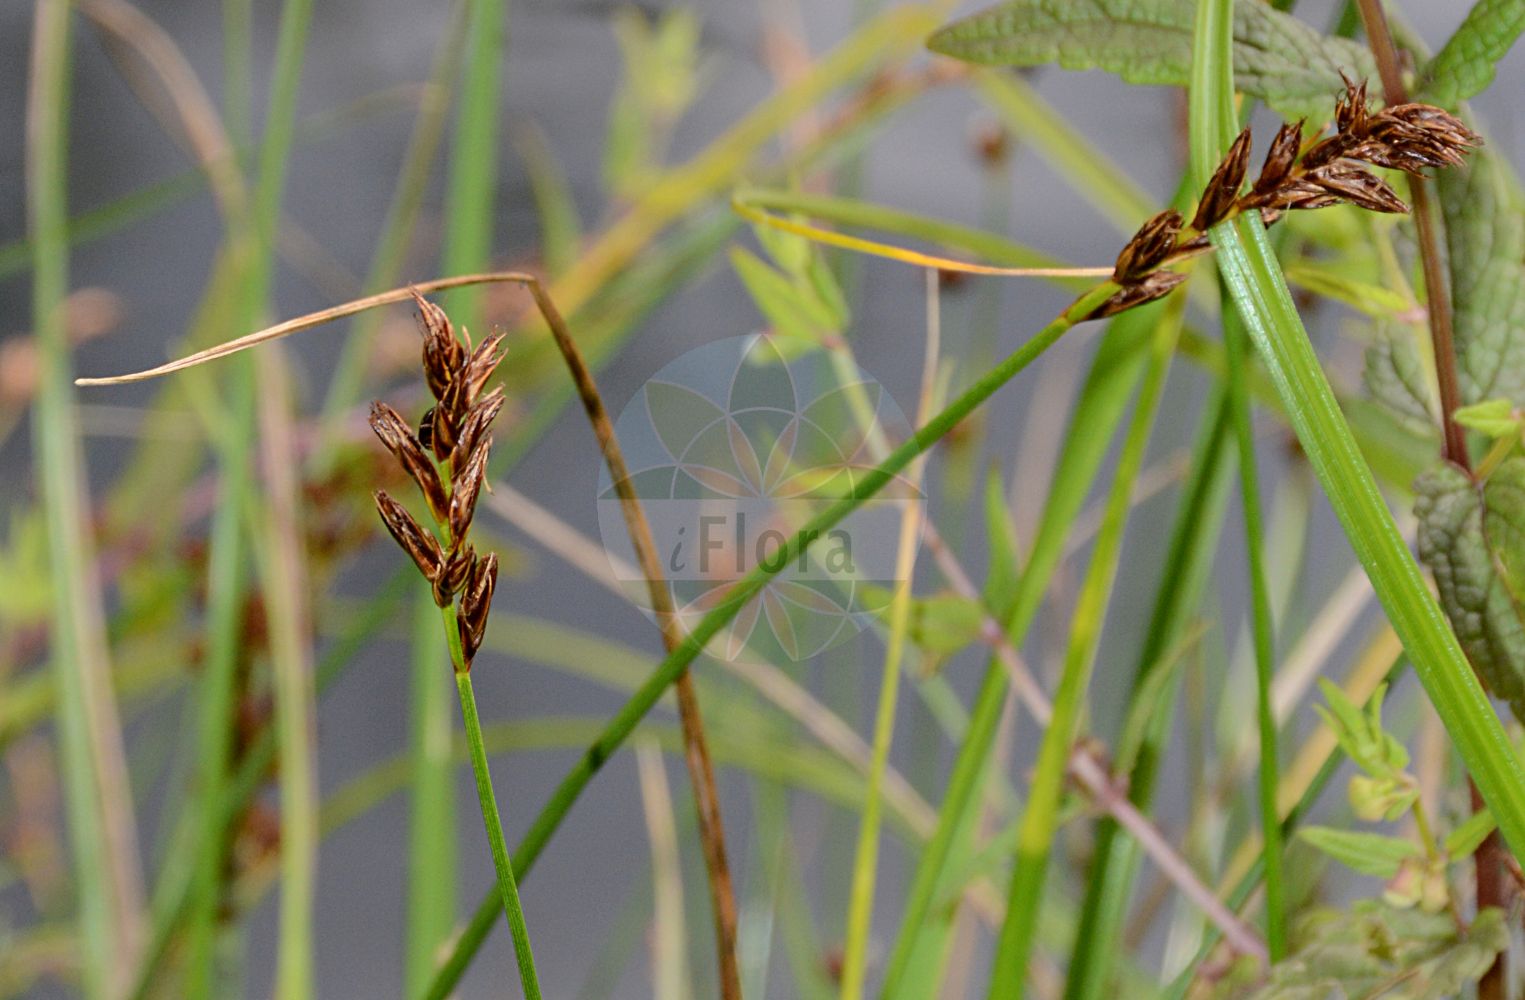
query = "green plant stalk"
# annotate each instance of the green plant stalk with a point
(173, 897)
(866, 862)
(1212, 83)
(293, 689)
(281, 560)
(1193, 544)
(1040, 818)
(626, 719)
(471, 194)
(431, 820)
(1264, 639)
(225, 562)
(1239, 895)
(1254, 280)
(1118, 365)
(94, 775)
(470, 211)
(508, 889)
(225, 591)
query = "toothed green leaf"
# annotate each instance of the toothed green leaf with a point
(1375, 949)
(1367, 853)
(1485, 233)
(1465, 65)
(1277, 58)
(1396, 377)
(1473, 540)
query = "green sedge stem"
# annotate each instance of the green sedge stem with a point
(625, 721)
(508, 889)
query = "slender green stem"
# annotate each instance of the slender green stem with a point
(1193, 544)
(470, 208)
(1264, 638)
(1245, 259)
(626, 719)
(431, 822)
(96, 791)
(226, 560)
(226, 557)
(508, 889)
(1040, 818)
(1211, 119)
(1118, 365)
(289, 647)
(866, 863)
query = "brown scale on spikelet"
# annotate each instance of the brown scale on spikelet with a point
(1407, 137)
(455, 433)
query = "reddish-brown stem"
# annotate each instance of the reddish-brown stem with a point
(1380, 38)
(696, 753)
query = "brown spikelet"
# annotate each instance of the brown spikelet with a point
(1358, 186)
(398, 438)
(477, 422)
(1187, 249)
(444, 421)
(479, 368)
(1350, 110)
(1279, 158)
(1223, 190)
(468, 485)
(1148, 248)
(414, 540)
(453, 577)
(1152, 286)
(476, 603)
(443, 353)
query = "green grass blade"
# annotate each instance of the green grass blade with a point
(282, 567)
(470, 212)
(1118, 365)
(1040, 818)
(96, 789)
(988, 246)
(1255, 283)
(1212, 120)
(730, 605)
(1189, 557)
(431, 817)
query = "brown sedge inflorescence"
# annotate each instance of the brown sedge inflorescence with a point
(447, 459)
(1331, 171)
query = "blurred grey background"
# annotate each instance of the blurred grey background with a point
(563, 64)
